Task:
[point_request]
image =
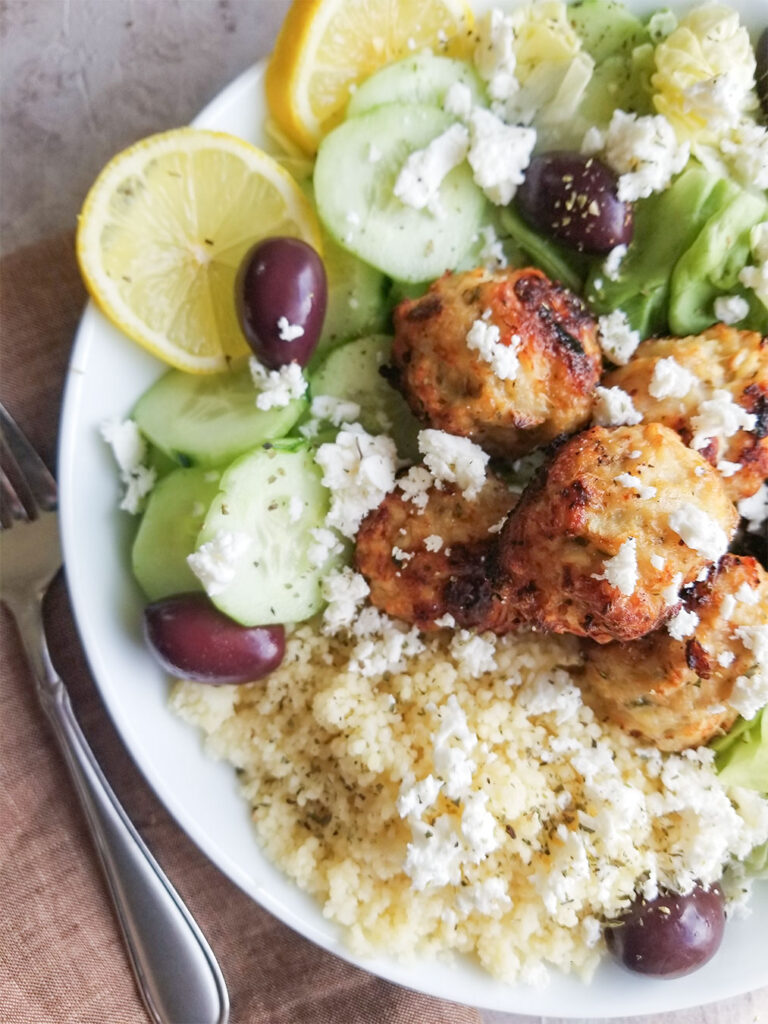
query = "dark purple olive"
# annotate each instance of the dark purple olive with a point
(281, 295)
(671, 935)
(192, 639)
(761, 70)
(574, 198)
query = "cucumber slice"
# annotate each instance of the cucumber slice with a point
(356, 200)
(209, 420)
(274, 580)
(422, 78)
(357, 302)
(168, 532)
(352, 372)
(607, 28)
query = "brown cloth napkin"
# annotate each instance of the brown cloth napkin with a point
(61, 955)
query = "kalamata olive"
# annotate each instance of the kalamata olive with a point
(671, 935)
(761, 70)
(281, 295)
(192, 639)
(574, 198)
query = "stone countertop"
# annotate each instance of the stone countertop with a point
(80, 80)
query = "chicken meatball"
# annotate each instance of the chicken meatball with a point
(509, 359)
(611, 529)
(681, 685)
(712, 388)
(424, 563)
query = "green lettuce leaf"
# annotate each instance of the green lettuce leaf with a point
(741, 756)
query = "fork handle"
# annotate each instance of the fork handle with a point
(176, 972)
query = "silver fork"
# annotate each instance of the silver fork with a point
(176, 971)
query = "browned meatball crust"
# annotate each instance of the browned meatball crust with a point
(449, 386)
(562, 540)
(411, 582)
(675, 693)
(722, 358)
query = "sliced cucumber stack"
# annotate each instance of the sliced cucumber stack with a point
(168, 532)
(356, 201)
(209, 420)
(352, 372)
(274, 498)
(422, 78)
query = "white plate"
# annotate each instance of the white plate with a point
(107, 374)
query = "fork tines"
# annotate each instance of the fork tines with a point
(26, 486)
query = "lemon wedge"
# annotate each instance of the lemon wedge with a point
(326, 47)
(163, 231)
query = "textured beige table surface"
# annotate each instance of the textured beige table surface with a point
(83, 78)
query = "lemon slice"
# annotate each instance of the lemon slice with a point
(164, 229)
(326, 47)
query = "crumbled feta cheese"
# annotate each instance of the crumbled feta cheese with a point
(359, 470)
(488, 898)
(718, 101)
(326, 545)
(671, 380)
(446, 621)
(128, 446)
(613, 261)
(755, 639)
(374, 154)
(215, 563)
(415, 486)
(617, 339)
(644, 152)
(731, 308)
(129, 449)
(699, 531)
(474, 653)
(416, 797)
(747, 153)
(344, 590)
(455, 460)
(277, 388)
(137, 486)
(491, 255)
(433, 542)
(756, 278)
(295, 509)
(386, 645)
(419, 181)
(287, 331)
(671, 593)
(682, 624)
(494, 54)
(335, 410)
(755, 509)
(728, 469)
(614, 407)
(401, 556)
(458, 101)
(750, 691)
(725, 659)
(621, 570)
(634, 483)
(453, 742)
(484, 338)
(719, 417)
(747, 595)
(555, 694)
(498, 155)
(658, 562)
